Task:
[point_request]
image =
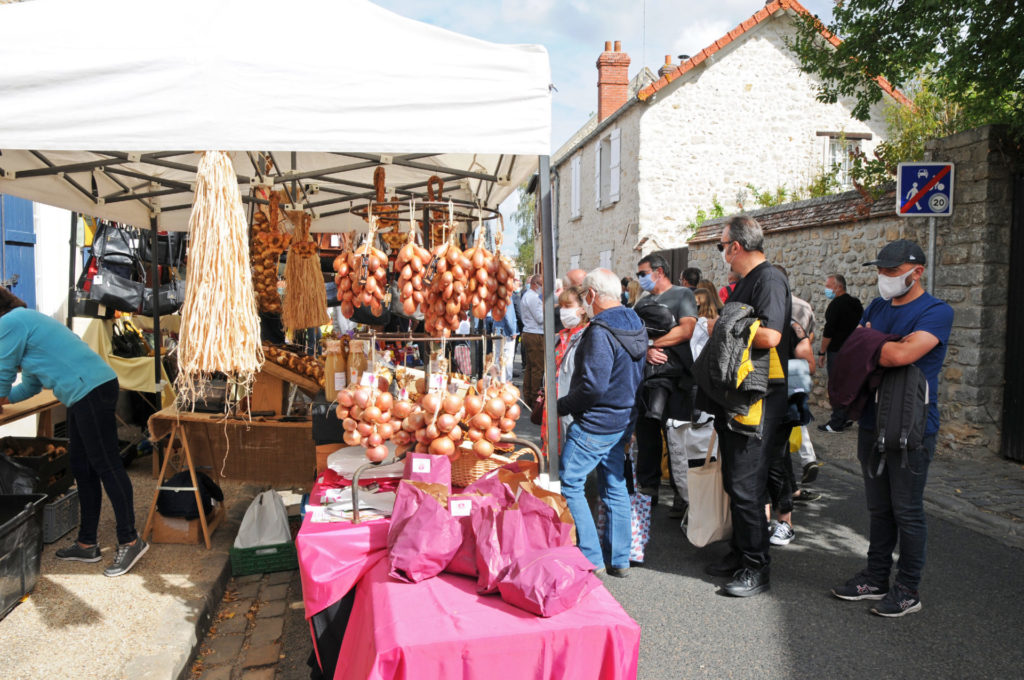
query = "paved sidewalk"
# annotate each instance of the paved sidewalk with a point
(258, 633)
(985, 494)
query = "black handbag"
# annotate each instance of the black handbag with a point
(114, 244)
(170, 298)
(169, 248)
(116, 292)
(127, 342)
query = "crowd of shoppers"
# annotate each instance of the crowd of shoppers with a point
(643, 365)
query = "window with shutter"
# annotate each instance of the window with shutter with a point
(605, 259)
(613, 167)
(574, 196)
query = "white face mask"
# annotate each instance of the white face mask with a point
(890, 287)
(588, 307)
(570, 316)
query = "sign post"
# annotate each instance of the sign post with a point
(925, 190)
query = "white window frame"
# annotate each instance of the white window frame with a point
(836, 152)
(605, 259)
(575, 204)
(607, 168)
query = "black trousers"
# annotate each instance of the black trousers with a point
(97, 465)
(745, 462)
(781, 478)
(649, 447)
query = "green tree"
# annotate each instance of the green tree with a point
(525, 220)
(969, 52)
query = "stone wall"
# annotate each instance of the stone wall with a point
(815, 238)
(747, 115)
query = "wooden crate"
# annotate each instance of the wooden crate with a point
(184, 531)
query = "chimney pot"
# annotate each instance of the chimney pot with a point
(668, 59)
(607, 45)
(618, 45)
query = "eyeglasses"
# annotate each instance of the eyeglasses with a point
(723, 244)
(641, 275)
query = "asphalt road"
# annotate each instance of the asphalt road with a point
(971, 624)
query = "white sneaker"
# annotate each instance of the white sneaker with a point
(783, 534)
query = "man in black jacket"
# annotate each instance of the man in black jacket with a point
(745, 458)
(841, 316)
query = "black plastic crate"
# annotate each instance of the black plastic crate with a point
(53, 470)
(60, 516)
(21, 547)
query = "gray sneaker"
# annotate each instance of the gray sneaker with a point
(76, 553)
(127, 555)
(783, 534)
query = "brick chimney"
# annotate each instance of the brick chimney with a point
(667, 68)
(612, 80)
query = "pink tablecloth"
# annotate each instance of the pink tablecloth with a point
(441, 628)
(334, 556)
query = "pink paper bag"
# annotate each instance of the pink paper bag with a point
(423, 536)
(500, 536)
(465, 506)
(423, 467)
(543, 527)
(548, 582)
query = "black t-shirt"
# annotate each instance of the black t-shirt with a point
(680, 303)
(842, 316)
(766, 289)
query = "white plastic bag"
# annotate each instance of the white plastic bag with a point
(709, 518)
(265, 522)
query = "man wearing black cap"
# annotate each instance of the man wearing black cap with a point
(895, 497)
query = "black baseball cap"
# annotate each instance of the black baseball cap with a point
(895, 253)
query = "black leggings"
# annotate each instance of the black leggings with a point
(95, 461)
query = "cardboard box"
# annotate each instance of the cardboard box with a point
(184, 531)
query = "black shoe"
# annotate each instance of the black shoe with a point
(678, 510)
(727, 566)
(618, 572)
(897, 602)
(860, 588)
(748, 582)
(76, 553)
(805, 497)
(828, 428)
(811, 472)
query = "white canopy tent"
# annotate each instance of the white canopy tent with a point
(112, 97)
(105, 105)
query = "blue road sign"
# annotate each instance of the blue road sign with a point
(924, 190)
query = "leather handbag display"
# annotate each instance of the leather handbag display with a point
(114, 244)
(116, 292)
(170, 297)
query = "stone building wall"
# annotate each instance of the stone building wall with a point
(837, 234)
(612, 228)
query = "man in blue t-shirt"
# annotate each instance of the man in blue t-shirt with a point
(895, 497)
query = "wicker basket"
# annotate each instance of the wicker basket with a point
(468, 467)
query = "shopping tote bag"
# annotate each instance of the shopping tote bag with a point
(709, 518)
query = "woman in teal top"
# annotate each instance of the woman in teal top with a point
(51, 356)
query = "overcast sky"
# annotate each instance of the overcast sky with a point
(574, 31)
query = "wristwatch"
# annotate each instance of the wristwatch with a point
(650, 343)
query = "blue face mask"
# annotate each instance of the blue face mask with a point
(647, 283)
(829, 294)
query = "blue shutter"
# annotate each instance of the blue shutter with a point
(17, 239)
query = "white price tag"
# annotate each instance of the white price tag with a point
(461, 507)
(340, 381)
(421, 466)
(98, 278)
(437, 381)
(369, 379)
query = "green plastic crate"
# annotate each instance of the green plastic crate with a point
(264, 559)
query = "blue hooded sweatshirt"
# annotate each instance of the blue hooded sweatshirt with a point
(609, 369)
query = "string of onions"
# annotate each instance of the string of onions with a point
(220, 325)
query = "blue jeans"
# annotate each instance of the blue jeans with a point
(582, 453)
(895, 500)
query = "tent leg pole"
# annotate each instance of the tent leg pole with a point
(154, 256)
(72, 252)
(547, 242)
